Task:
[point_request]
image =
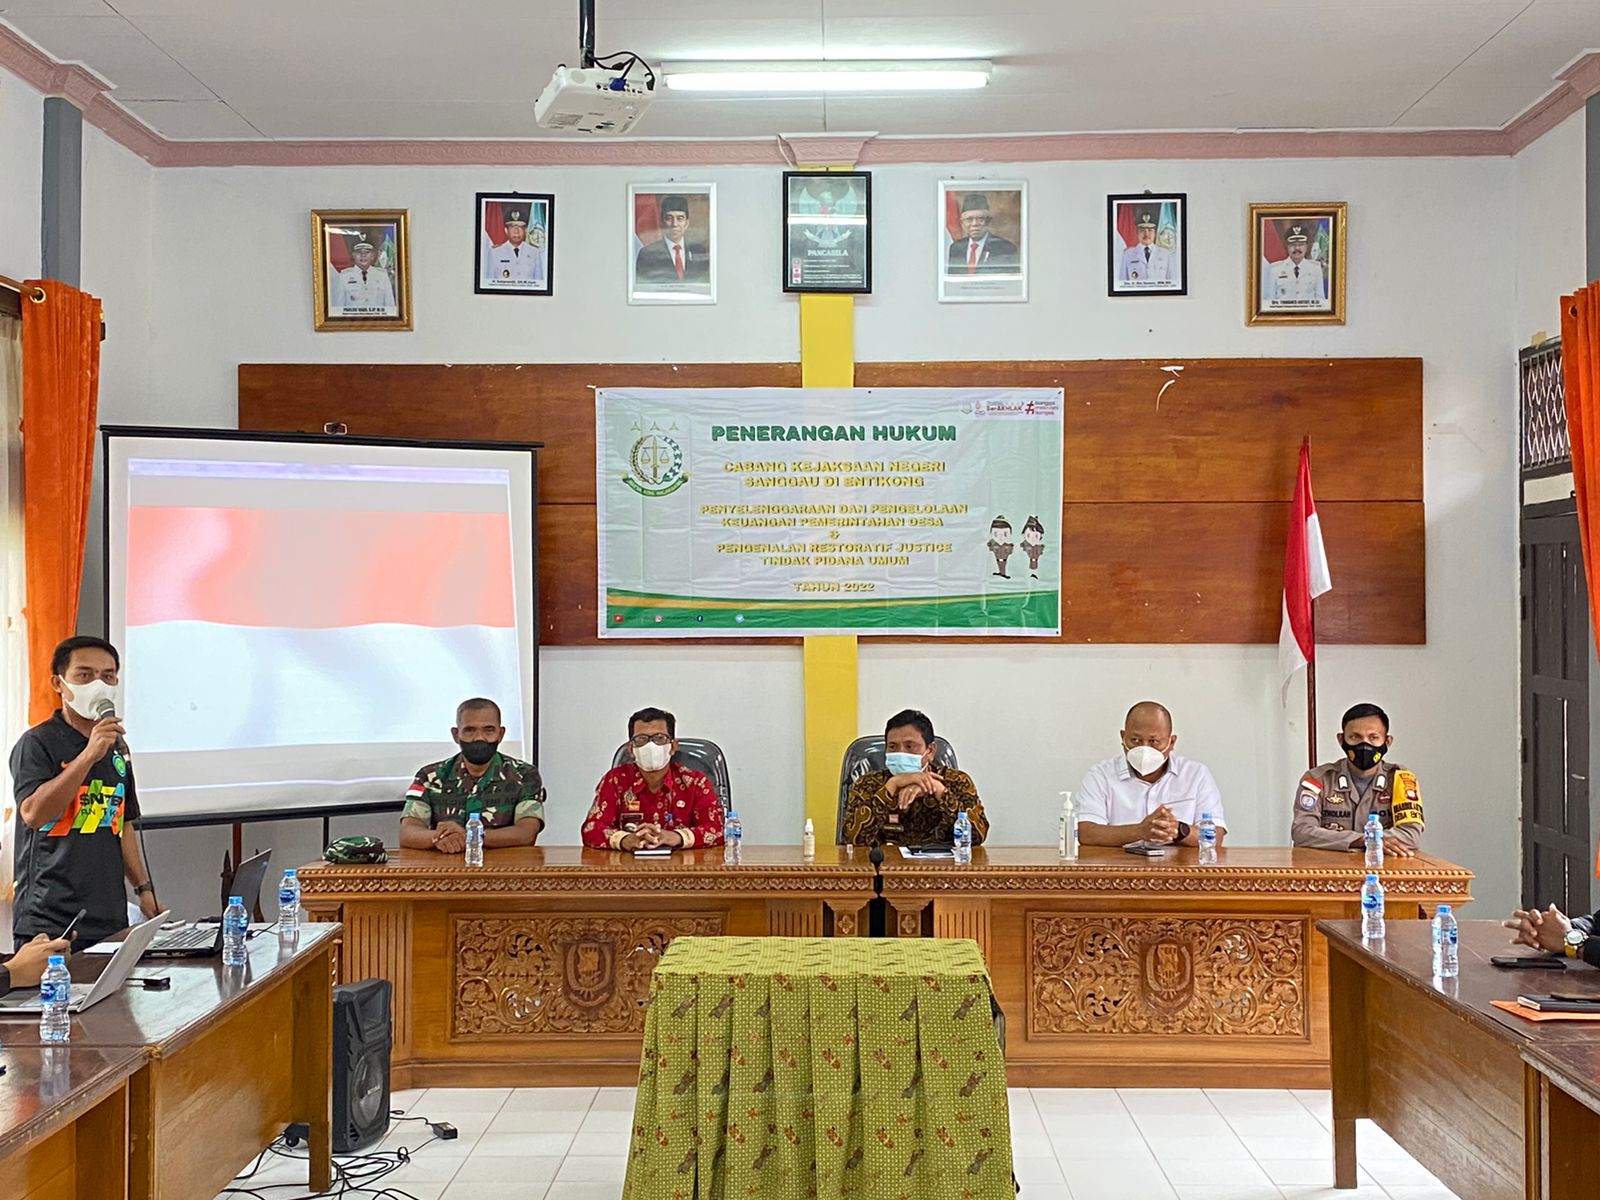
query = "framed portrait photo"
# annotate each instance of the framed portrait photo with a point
(982, 240)
(1147, 244)
(827, 231)
(516, 244)
(1296, 264)
(360, 269)
(672, 234)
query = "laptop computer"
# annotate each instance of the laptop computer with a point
(86, 995)
(204, 939)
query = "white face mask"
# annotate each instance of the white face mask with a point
(86, 697)
(902, 764)
(652, 757)
(1145, 760)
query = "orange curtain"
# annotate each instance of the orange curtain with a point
(60, 393)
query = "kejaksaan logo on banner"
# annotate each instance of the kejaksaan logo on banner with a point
(829, 510)
(655, 460)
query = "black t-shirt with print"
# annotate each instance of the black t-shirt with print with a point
(75, 861)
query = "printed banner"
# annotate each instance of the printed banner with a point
(773, 512)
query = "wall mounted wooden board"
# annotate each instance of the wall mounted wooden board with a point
(1176, 499)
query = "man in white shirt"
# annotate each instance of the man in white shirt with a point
(1147, 793)
(363, 289)
(516, 261)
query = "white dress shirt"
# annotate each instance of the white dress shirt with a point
(1113, 795)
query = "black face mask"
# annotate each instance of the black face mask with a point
(478, 753)
(1365, 755)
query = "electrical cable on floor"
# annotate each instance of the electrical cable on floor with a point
(356, 1176)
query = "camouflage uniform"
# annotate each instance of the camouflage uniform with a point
(508, 791)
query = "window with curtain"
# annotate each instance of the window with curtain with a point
(13, 633)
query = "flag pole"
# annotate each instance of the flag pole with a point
(1311, 694)
(1311, 668)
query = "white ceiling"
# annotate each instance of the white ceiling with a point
(248, 69)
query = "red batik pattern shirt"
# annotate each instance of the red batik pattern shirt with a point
(623, 801)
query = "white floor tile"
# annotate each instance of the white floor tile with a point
(1156, 1189)
(583, 1191)
(1373, 1142)
(557, 1097)
(1036, 1170)
(405, 1099)
(421, 1189)
(1026, 1120)
(1213, 1173)
(607, 1121)
(1051, 1191)
(1158, 1125)
(568, 1121)
(1032, 1144)
(614, 1099)
(1093, 1101)
(1224, 1147)
(581, 1169)
(1306, 1172)
(1072, 1127)
(1095, 1178)
(1210, 1192)
(1427, 1192)
(1299, 1124)
(509, 1168)
(503, 1190)
(538, 1144)
(1318, 1147)
(1405, 1173)
(421, 1144)
(1167, 1102)
(599, 1144)
(469, 1099)
(439, 1169)
(1328, 1193)
(1237, 1102)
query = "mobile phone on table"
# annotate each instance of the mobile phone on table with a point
(1527, 962)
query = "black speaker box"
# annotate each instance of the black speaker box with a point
(362, 1040)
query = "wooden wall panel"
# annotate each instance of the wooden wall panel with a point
(1176, 505)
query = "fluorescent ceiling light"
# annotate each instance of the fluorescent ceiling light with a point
(832, 76)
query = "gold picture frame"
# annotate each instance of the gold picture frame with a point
(1303, 289)
(361, 269)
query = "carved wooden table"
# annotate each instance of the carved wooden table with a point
(1136, 972)
(64, 1121)
(535, 968)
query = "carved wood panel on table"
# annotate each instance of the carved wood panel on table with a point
(1213, 975)
(521, 975)
(1176, 498)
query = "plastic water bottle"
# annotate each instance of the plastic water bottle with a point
(1372, 910)
(1208, 841)
(808, 842)
(55, 993)
(1374, 836)
(732, 840)
(1067, 838)
(289, 903)
(235, 928)
(962, 837)
(1446, 944)
(475, 841)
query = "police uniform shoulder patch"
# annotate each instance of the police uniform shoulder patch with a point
(1407, 799)
(1308, 801)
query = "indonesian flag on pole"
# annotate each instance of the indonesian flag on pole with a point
(1305, 575)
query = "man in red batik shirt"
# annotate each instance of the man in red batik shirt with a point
(653, 801)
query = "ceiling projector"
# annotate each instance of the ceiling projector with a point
(592, 100)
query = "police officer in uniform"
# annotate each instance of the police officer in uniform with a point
(363, 289)
(1333, 801)
(1147, 262)
(1296, 279)
(516, 260)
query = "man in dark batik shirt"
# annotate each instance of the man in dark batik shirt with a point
(911, 801)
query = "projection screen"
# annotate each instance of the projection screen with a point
(299, 616)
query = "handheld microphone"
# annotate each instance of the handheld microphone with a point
(105, 709)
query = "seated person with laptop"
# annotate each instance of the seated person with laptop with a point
(505, 792)
(653, 803)
(117, 973)
(909, 801)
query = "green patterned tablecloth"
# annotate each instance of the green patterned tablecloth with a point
(790, 1068)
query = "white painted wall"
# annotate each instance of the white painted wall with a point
(21, 155)
(1548, 227)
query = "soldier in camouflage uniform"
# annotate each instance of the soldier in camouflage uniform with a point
(1335, 799)
(505, 792)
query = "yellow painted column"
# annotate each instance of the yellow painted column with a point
(827, 359)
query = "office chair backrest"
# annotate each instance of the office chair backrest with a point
(865, 755)
(703, 756)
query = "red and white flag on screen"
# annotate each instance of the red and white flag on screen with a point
(1305, 576)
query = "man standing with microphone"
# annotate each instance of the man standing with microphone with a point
(76, 801)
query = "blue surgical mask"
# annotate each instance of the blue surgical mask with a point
(902, 764)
